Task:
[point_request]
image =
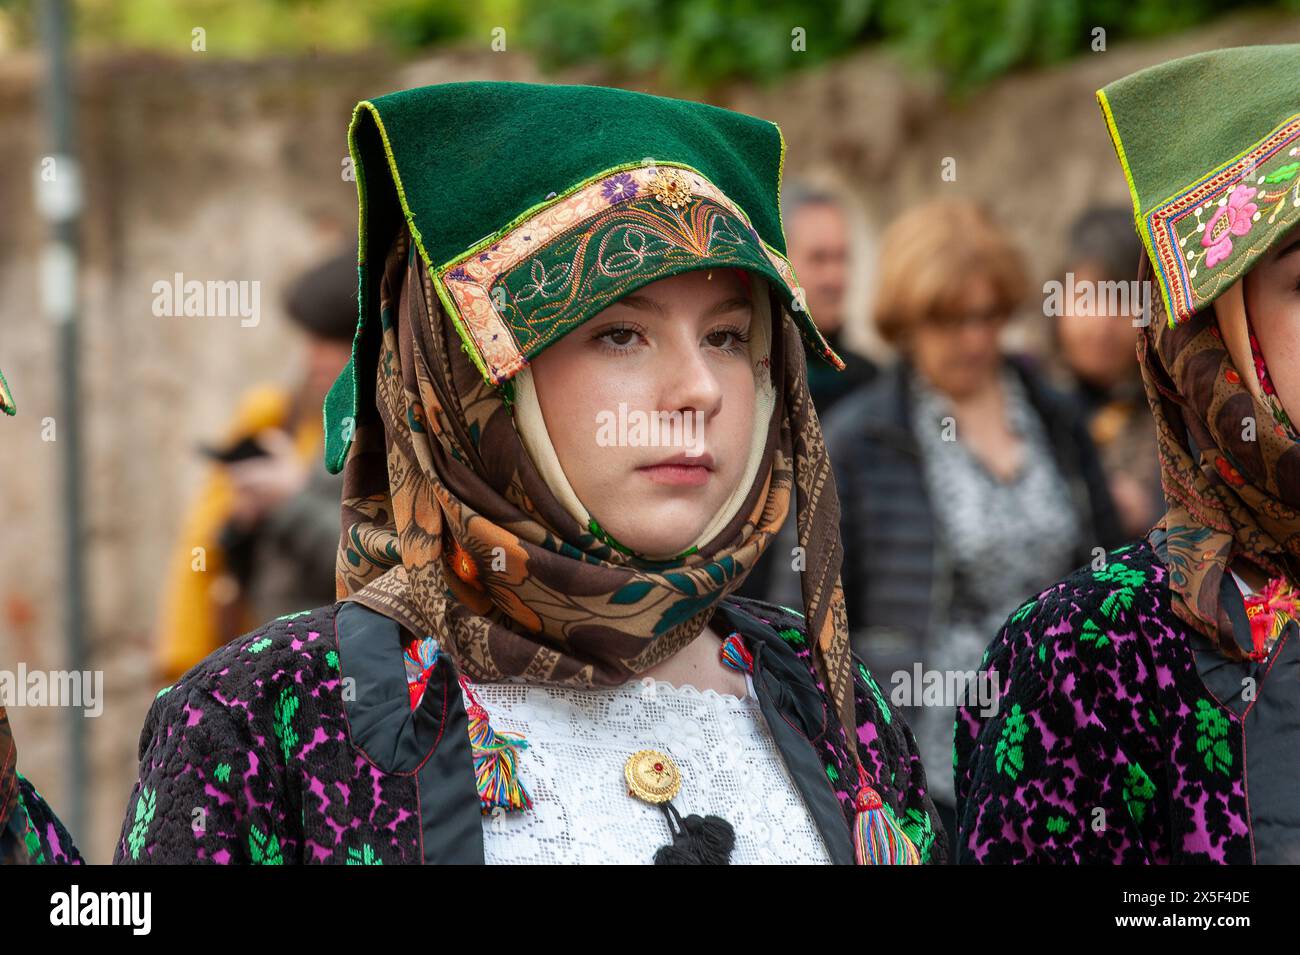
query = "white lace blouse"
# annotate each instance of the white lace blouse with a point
(578, 742)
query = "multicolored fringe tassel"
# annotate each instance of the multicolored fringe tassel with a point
(495, 771)
(877, 838)
(1269, 611)
(420, 660)
(735, 654)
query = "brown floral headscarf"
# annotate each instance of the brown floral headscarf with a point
(1229, 457)
(449, 529)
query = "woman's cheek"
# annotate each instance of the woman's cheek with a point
(1275, 315)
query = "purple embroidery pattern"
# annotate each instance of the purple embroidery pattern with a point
(619, 188)
(1102, 715)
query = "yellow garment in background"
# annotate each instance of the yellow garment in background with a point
(190, 624)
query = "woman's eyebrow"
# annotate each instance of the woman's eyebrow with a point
(735, 303)
(641, 303)
(1293, 247)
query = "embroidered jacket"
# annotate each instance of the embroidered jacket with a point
(1121, 736)
(297, 743)
(29, 832)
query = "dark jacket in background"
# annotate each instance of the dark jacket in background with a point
(826, 386)
(896, 576)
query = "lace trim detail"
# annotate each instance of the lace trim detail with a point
(578, 741)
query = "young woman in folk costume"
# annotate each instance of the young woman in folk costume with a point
(535, 657)
(1150, 707)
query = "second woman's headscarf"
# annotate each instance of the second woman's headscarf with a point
(1230, 458)
(449, 528)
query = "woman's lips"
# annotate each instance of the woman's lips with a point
(678, 475)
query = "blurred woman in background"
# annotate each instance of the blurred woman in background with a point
(964, 481)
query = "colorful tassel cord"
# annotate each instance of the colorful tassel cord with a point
(877, 838)
(1269, 611)
(495, 769)
(735, 654)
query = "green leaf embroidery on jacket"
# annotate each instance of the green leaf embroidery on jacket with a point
(793, 636)
(1057, 825)
(263, 848)
(881, 705)
(257, 646)
(332, 659)
(282, 713)
(1092, 634)
(1139, 790)
(1009, 754)
(832, 773)
(222, 773)
(1120, 574)
(1126, 580)
(31, 838)
(916, 826)
(365, 857)
(1212, 737)
(1024, 610)
(145, 806)
(1117, 600)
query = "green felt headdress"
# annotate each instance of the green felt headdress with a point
(534, 207)
(1210, 145)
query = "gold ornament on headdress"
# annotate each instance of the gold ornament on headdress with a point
(671, 187)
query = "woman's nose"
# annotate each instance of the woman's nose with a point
(690, 382)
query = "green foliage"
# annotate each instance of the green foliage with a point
(690, 44)
(694, 44)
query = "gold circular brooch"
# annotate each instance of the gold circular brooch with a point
(652, 776)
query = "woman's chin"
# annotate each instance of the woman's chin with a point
(648, 537)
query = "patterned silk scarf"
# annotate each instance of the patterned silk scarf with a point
(449, 529)
(1229, 458)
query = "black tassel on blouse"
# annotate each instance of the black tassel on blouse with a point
(696, 841)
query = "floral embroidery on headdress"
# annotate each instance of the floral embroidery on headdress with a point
(619, 188)
(1234, 217)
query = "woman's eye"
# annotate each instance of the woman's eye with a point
(618, 338)
(728, 339)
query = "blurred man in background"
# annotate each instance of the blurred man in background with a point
(1096, 347)
(817, 237)
(267, 520)
(819, 247)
